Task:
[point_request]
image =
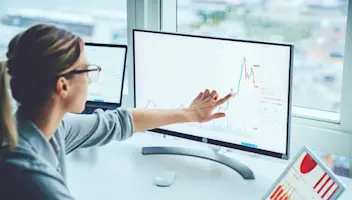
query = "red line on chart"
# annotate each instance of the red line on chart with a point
(282, 194)
(324, 185)
(278, 189)
(321, 178)
(329, 188)
(273, 99)
(333, 193)
(247, 76)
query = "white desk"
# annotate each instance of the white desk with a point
(120, 171)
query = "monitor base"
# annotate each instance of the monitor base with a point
(241, 168)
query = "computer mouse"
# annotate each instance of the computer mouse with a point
(165, 178)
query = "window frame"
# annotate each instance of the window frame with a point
(341, 121)
(162, 15)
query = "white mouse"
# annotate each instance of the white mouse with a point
(165, 178)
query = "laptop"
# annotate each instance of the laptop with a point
(306, 177)
(106, 92)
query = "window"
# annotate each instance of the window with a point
(316, 28)
(102, 21)
(340, 165)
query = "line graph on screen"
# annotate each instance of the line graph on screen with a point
(249, 102)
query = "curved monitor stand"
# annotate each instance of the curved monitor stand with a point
(241, 168)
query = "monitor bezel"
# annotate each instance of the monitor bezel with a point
(284, 156)
(125, 47)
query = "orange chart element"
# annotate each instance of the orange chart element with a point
(282, 193)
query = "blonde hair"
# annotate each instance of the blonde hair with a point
(8, 133)
(35, 59)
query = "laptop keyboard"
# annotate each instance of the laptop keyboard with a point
(90, 110)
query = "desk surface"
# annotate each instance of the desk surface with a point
(120, 171)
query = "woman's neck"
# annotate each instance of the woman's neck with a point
(47, 118)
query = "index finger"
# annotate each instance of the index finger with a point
(223, 100)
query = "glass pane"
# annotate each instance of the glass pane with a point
(102, 21)
(317, 28)
(340, 165)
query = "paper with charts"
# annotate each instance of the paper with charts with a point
(304, 180)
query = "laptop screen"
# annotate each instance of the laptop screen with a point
(306, 177)
(112, 59)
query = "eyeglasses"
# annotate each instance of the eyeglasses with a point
(93, 72)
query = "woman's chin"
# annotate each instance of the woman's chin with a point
(79, 109)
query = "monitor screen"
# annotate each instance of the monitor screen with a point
(111, 59)
(171, 69)
(306, 177)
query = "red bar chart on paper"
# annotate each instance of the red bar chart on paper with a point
(284, 192)
(305, 180)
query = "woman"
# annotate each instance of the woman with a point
(49, 80)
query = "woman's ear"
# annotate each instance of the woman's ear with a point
(62, 86)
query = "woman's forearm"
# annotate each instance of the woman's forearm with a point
(146, 119)
(200, 110)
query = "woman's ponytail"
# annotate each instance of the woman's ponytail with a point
(8, 132)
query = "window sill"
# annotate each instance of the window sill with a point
(316, 118)
(318, 115)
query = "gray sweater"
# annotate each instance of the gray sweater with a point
(36, 168)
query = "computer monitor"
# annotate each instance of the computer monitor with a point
(172, 68)
(106, 93)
